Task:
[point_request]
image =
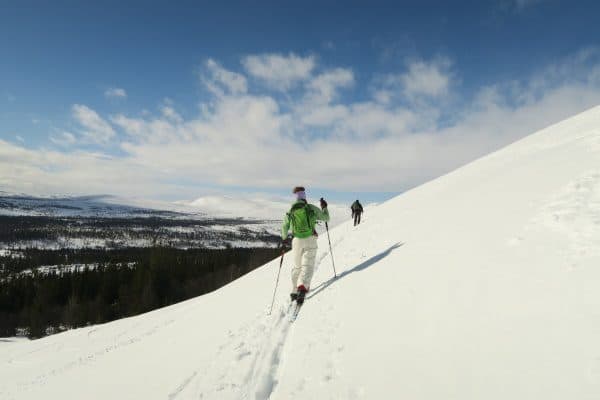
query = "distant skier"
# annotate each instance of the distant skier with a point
(302, 219)
(357, 210)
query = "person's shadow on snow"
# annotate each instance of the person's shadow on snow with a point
(360, 267)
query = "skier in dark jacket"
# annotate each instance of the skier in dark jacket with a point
(357, 210)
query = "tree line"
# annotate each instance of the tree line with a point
(40, 303)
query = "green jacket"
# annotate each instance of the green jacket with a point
(315, 215)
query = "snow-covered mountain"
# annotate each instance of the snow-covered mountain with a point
(105, 221)
(256, 207)
(56, 222)
(481, 284)
(103, 206)
(259, 207)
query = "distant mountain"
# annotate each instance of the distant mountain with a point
(258, 207)
(104, 221)
(109, 222)
(88, 206)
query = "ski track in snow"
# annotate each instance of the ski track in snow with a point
(254, 352)
(182, 386)
(257, 351)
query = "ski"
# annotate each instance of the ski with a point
(295, 312)
(300, 299)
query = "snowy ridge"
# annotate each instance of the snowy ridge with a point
(91, 206)
(481, 284)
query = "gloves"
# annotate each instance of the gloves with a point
(323, 204)
(286, 243)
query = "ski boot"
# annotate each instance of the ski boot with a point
(301, 294)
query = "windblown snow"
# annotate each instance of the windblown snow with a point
(481, 284)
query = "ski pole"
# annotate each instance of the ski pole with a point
(277, 281)
(330, 250)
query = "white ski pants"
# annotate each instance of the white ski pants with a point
(304, 252)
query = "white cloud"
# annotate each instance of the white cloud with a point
(169, 113)
(131, 126)
(20, 138)
(427, 79)
(95, 129)
(323, 88)
(221, 80)
(115, 93)
(278, 71)
(422, 79)
(43, 171)
(323, 115)
(372, 120)
(64, 139)
(253, 140)
(317, 107)
(425, 85)
(382, 96)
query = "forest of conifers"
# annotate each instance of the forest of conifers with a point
(115, 283)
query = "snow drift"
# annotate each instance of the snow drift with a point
(481, 284)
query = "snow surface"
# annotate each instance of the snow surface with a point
(481, 284)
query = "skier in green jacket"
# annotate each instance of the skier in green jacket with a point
(302, 219)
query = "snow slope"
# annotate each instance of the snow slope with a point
(481, 284)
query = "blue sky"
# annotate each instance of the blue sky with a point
(181, 99)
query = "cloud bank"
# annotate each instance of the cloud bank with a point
(284, 120)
